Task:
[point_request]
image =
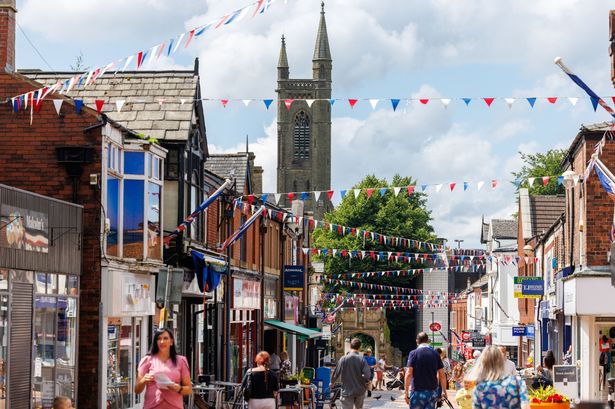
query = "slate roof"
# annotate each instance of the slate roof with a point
(142, 91)
(223, 164)
(503, 229)
(545, 210)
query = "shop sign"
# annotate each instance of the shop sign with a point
(466, 336)
(529, 287)
(435, 327)
(294, 278)
(565, 380)
(326, 332)
(530, 332)
(519, 331)
(24, 229)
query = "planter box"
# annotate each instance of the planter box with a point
(550, 405)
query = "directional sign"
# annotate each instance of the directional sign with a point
(435, 326)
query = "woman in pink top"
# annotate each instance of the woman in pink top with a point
(163, 374)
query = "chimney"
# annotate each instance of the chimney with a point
(612, 46)
(7, 35)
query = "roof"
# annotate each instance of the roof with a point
(227, 165)
(321, 50)
(503, 229)
(142, 92)
(588, 131)
(484, 233)
(544, 211)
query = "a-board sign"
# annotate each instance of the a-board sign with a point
(566, 380)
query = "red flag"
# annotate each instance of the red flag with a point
(410, 190)
(552, 100)
(330, 194)
(99, 105)
(288, 103)
(190, 35)
(139, 59)
(545, 180)
(224, 102)
(352, 102)
(250, 198)
(369, 192)
(494, 184)
(488, 101)
(424, 101)
(291, 196)
(452, 186)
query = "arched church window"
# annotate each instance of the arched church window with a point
(302, 136)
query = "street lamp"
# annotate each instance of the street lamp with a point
(568, 178)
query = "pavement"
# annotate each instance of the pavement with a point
(395, 400)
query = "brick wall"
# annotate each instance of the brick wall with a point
(28, 161)
(7, 34)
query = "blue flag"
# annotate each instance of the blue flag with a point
(394, 102)
(467, 100)
(532, 101)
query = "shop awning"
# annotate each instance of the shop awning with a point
(294, 329)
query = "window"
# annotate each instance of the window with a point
(242, 241)
(172, 168)
(133, 204)
(302, 136)
(195, 227)
(124, 352)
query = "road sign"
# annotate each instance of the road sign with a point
(435, 326)
(519, 331)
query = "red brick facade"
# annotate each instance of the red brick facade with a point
(7, 35)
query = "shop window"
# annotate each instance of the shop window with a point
(55, 334)
(154, 250)
(113, 214)
(132, 234)
(124, 351)
(134, 163)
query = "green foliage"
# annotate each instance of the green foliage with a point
(402, 216)
(538, 165)
(79, 65)
(366, 341)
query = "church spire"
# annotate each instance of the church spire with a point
(283, 71)
(321, 51)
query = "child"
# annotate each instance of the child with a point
(464, 395)
(62, 402)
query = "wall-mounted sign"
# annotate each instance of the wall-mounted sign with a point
(246, 293)
(24, 229)
(519, 331)
(435, 326)
(529, 287)
(294, 277)
(530, 331)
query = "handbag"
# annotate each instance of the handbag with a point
(247, 387)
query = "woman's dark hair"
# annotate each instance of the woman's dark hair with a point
(549, 359)
(153, 350)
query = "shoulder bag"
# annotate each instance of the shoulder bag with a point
(247, 386)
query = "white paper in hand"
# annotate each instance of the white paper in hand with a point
(163, 381)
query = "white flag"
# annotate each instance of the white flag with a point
(128, 60)
(445, 102)
(179, 40)
(277, 197)
(396, 190)
(119, 104)
(309, 102)
(530, 181)
(509, 102)
(438, 187)
(480, 184)
(374, 102)
(573, 100)
(356, 193)
(57, 103)
(246, 102)
(316, 195)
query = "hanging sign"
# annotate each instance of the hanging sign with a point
(519, 331)
(294, 278)
(529, 287)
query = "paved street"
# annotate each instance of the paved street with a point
(394, 400)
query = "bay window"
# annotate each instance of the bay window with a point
(133, 191)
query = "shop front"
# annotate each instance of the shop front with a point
(272, 339)
(244, 324)
(128, 310)
(40, 263)
(586, 296)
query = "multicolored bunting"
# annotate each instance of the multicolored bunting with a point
(402, 257)
(396, 291)
(412, 272)
(346, 303)
(64, 87)
(87, 78)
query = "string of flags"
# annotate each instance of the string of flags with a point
(396, 290)
(138, 59)
(405, 273)
(62, 87)
(313, 223)
(349, 303)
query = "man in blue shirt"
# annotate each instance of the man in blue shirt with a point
(425, 371)
(371, 362)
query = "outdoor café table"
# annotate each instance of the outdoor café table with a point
(203, 389)
(236, 387)
(311, 397)
(294, 389)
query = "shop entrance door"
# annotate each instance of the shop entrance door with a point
(20, 359)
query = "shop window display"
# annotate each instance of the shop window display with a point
(124, 351)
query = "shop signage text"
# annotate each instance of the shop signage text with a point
(519, 331)
(529, 287)
(294, 278)
(24, 229)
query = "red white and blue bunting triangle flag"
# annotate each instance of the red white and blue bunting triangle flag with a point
(402, 257)
(259, 7)
(411, 272)
(400, 292)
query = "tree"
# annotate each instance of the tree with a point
(79, 65)
(402, 216)
(537, 165)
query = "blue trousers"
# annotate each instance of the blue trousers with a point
(424, 399)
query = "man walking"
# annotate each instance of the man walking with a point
(371, 362)
(355, 375)
(511, 368)
(425, 372)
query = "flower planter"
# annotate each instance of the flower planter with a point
(550, 405)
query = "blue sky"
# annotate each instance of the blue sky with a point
(386, 49)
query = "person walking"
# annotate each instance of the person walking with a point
(380, 367)
(285, 366)
(355, 374)
(371, 362)
(495, 388)
(511, 368)
(425, 379)
(263, 383)
(274, 362)
(163, 374)
(447, 364)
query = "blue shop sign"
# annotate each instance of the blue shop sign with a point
(294, 278)
(519, 331)
(530, 332)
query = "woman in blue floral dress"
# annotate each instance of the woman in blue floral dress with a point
(494, 388)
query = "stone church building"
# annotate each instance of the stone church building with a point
(304, 130)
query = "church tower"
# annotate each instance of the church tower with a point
(304, 130)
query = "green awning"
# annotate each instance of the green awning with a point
(294, 329)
